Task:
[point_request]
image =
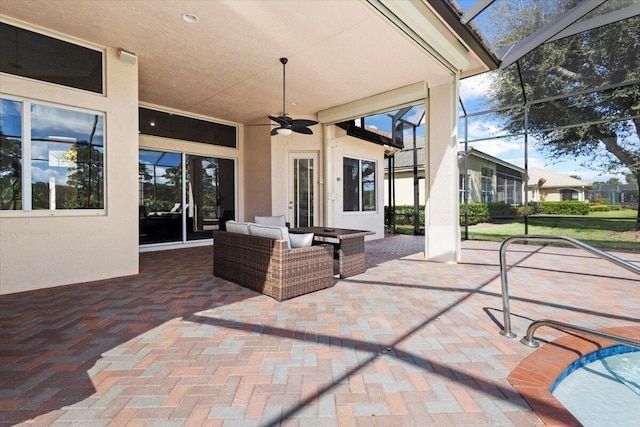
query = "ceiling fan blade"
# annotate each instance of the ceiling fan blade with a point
(303, 122)
(280, 120)
(302, 129)
(274, 131)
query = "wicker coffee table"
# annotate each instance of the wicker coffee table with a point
(348, 246)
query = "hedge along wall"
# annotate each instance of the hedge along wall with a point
(483, 212)
(564, 208)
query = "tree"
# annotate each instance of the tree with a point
(608, 121)
(10, 172)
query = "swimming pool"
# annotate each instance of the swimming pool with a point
(602, 388)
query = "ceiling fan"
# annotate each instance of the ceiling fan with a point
(287, 125)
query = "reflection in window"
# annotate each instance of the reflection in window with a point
(303, 179)
(66, 165)
(359, 185)
(208, 194)
(368, 186)
(10, 155)
(160, 196)
(67, 159)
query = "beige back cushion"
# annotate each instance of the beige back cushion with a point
(277, 233)
(276, 221)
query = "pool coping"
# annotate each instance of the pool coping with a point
(533, 377)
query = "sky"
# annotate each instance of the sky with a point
(473, 94)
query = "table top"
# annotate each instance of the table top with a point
(336, 233)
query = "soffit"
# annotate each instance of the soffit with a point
(227, 66)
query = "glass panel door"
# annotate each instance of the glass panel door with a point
(303, 189)
(210, 186)
(160, 196)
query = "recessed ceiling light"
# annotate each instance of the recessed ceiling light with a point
(189, 18)
(294, 103)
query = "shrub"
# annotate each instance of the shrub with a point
(564, 208)
(501, 210)
(599, 208)
(404, 214)
(478, 212)
(534, 208)
(601, 200)
(615, 208)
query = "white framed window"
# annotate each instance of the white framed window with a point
(60, 62)
(51, 157)
(486, 185)
(462, 187)
(358, 185)
(568, 194)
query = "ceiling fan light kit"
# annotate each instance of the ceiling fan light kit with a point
(287, 124)
(283, 131)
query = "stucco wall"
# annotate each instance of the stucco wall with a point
(404, 188)
(257, 172)
(346, 146)
(554, 194)
(442, 228)
(475, 166)
(281, 148)
(43, 249)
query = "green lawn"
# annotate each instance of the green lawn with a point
(606, 230)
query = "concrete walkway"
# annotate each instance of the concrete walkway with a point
(409, 342)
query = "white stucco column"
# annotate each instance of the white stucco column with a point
(442, 229)
(330, 195)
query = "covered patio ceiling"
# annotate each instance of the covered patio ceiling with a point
(227, 64)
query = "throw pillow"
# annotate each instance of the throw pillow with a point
(237, 227)
(301, 240)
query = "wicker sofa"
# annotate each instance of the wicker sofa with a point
(269, 266)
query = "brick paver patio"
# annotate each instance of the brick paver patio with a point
(409, 342)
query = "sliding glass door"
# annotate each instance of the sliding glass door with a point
(182, 196)
(210, 194)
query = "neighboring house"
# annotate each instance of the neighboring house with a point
(105, 115)
(490, 179)
(547, 186)
(616, 194)
(403, 161)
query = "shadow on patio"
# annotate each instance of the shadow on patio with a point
(406, 343)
